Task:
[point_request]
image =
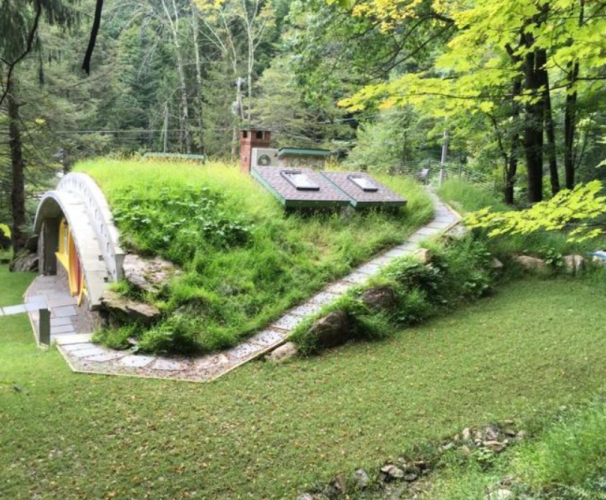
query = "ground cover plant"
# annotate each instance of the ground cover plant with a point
(563, 459)
(267, 431)
(245, 261)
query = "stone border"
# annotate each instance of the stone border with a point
(85, 357)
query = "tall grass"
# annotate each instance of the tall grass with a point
(231, 286)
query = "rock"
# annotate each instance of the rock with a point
(121, 309)
(411, 476)
(379, 297)
(149, 275)
(423, 255)
(466, 434)
(501, 494)
(574, 263)
(391, 472)
(360, 479)
(338, 486)
(283, 353)
(332, 330)
(495, 446)
(309, 496)
(530, 263)
(497, 265)
(24, 262)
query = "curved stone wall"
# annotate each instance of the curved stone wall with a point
(81, 202)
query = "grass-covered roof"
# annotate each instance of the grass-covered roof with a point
(245, 261)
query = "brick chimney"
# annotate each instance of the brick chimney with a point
(249, 139)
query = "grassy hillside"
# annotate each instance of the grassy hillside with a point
(270, 432)
(245, 260)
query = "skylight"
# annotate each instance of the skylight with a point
(363, 183)
(300, 180)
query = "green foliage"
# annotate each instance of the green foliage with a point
(392, 140)
(459, 272)
(179, 334)
(175, 223)
(572, 452)
(582, 205)
(244, 259)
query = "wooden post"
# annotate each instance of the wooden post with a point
(44, 330)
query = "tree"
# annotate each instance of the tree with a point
(496, 43)
(20, 23)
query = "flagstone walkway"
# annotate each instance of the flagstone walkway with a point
(85, 357)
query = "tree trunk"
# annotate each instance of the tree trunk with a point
(533, 125)
(570, 114)
(184, 115)
(549, 123)
(195, 28)
(570, 128)
(511, 165)
(19, 237)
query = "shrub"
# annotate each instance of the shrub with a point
(459, 271)
(179, 335)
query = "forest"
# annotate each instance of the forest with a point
(515, 88)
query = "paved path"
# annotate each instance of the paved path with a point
(66, 317)
(84, 356)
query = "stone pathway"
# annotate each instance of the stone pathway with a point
(86, 357)
(66, 317)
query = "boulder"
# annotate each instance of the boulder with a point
(501, 494)
(332, 330)
(283, 353)
(530, 263)
(574, 263)
(497, 265)
(423, 255)
(379, 297)
(391, 472)
(360, 479)
(121, 309)
(148, 275)
(24, 262)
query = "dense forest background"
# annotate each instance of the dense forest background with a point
(517, 87)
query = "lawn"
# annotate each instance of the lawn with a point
(245, 260)
(269, 431)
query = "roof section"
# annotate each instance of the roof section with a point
(313, 190)
(363, 190)
(322, 153)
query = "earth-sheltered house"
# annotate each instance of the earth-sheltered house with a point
(80, 257)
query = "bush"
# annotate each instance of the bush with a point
(179, 335)
(459, 271)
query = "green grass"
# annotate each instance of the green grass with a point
(269, 431)
(246, 261)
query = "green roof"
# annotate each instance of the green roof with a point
(323, 153)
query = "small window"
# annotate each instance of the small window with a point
(300, 180)
(363, 183)
(259, 134)
(245, 134)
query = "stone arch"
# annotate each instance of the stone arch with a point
(80, 201)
